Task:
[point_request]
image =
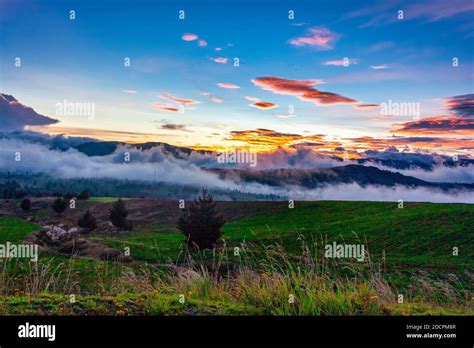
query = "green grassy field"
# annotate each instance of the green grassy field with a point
(421, 234)
(13, 230)
(280, 254)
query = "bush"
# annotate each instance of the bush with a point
(25, 204)
(84, 195)
(87, 221)
(69, 195)
(59, 205)
(118, 215)
(200, 223)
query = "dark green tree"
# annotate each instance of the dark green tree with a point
(200, 222)
(118, 215)
(87, 221)
(84, 195)
(25, 204)
(59, 205)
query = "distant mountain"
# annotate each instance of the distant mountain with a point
(410, 163)
(97, 148)
(104, 148)
(314, 178)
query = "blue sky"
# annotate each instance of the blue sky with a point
(81, 60)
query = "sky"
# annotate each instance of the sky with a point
(327, 75)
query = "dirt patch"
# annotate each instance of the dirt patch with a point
(72, 243)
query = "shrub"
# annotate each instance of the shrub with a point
(59, 205)
(25, 204)
(84, 195)
(118, 215)
(69, 195)
(200, 223)
(87, 221)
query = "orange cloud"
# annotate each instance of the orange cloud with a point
(227, 85)
(178, 100)
(304, 90)
(264, 137)
(268, 140)
(263, 105)
(164, 107)
(189, 37)
(321, 38)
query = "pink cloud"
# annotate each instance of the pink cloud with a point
(202, 43)
(227, 85)
(379, 67)
(254, 99)
(218, 49)
(303, 90)
(189, 37)
(129, 91)
(178, 100)
(220, 60)
(216, 100)
(321, 38)
(164, 107)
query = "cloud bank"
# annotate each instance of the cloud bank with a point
(61, 161)
(15, 116)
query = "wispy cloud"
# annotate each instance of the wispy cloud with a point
(129, 91)
(227, 85)
(216, 100)
(342, 62)
(165, 107)
(318, 37)
(250, 98)
(366, 106)
(169, 96)
(174, 127)
(433, 10)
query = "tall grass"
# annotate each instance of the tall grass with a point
(266, 278)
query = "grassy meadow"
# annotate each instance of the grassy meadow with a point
(270, 262)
